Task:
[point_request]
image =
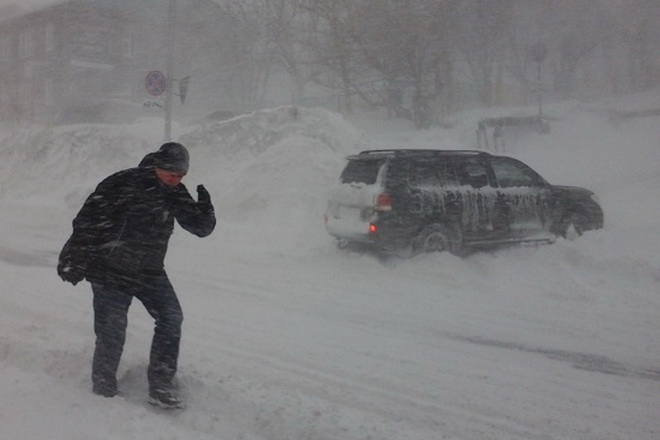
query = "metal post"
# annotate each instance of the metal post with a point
(170, 69)
(540, 92)
(538, 53)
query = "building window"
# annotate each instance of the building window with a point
(26, 44)
(49, 99)
(50, 37)
(91, 42)
(5, 48)
(24, 93)
(127, 47)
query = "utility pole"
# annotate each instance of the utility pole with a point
(171, 28)
(538, 54)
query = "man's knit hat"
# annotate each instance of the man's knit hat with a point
(172, 156)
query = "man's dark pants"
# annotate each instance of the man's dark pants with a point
(111, 303)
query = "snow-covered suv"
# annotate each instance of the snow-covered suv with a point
(434, 200)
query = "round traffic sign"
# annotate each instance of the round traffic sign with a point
(155, 83)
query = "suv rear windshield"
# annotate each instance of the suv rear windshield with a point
(361, 171)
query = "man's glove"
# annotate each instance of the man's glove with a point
(203, 195)
(70, 272)
(69, 267)
(204, 199)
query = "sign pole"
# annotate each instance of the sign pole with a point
(538, 53)
(170, 70)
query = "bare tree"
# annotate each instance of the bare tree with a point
(405, 45)
(527, 29)
(576, 31)
(334, 44)
(481, 39)
(415, 57)
(249, 55)
(641, 18)
(288, 27)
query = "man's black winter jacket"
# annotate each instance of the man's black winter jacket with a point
(122, 231)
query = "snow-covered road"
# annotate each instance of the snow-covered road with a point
(288, 338)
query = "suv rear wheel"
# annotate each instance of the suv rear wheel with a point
(437, 238)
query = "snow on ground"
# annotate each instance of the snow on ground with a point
(288, 338)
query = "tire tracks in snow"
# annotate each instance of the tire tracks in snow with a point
(581, 361)
(298, 394)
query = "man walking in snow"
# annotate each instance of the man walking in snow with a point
(119, 242)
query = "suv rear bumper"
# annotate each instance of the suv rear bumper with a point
(383, 238)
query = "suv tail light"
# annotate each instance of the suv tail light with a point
(383, 202)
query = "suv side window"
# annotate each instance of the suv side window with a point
(471, 172)
(447, 174)
(510, 173)
(423, 174)
(430, 174)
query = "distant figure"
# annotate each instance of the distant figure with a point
(119, 242)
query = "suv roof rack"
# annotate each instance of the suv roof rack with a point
(406, 152)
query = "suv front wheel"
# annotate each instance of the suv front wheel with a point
(437, 238)
(573, 226)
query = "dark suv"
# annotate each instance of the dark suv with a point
(433, 200)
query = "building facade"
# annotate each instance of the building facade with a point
(86, 61)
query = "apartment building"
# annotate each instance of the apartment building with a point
(86, 60)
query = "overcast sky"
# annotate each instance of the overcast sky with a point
(27, 3)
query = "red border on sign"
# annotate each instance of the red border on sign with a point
(155, 83)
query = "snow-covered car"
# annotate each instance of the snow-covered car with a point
(433, 200)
